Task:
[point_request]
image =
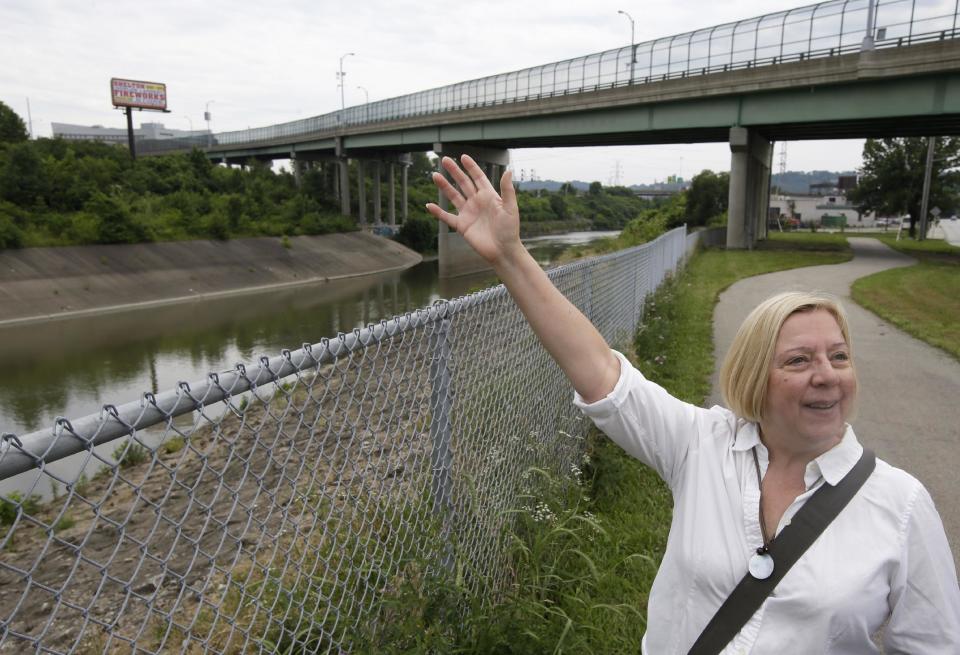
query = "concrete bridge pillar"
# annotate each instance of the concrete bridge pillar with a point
(361, 193)
(750, 162)
(455, 256)
(407, 162)
(296, 167)
(377, 196)
(343, 170)
(330, 178)
(392, 193)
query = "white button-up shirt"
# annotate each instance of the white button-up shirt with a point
(884, 559)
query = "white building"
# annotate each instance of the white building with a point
(119, 134)
(822, 206)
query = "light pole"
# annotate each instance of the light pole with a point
(343, 104)
(190, 121)
(206, 117)
(366, 95)
(871, 17)
(633, 52)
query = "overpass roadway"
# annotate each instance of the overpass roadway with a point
(908, 91)
(912, 90)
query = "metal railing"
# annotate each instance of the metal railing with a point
(275, 505)
(825, 29)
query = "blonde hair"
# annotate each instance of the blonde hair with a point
(746, 367)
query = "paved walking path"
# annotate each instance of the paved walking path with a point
(909, 391)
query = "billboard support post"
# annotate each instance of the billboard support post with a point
(133, 148)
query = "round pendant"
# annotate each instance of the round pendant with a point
(761, 566)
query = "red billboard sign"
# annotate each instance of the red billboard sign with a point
(135, 93)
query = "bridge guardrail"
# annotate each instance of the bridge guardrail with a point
(825, 29)
(274, 505)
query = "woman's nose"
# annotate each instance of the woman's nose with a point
(824, 374)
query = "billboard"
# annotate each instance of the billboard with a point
(135, 93)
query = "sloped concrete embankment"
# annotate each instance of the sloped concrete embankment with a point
(38, 284)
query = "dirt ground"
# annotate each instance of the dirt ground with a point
(192, 546)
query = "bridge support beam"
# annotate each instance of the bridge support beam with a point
(296, 166)
(455, 256)
(377, 195)
(407, 161)
(343, 173)
(361, 193)
(750, 161)
(392, 193)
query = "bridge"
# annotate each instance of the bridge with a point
(837, 69)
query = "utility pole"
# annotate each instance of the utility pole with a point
(925, 199)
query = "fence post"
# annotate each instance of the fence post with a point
(588, 301)
(441, 457)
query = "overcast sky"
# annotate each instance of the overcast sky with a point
(259, 63)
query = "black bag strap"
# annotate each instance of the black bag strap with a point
(792, 542)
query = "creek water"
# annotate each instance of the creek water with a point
(71, 368)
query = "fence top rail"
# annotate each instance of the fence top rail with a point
(727, 41)
(68, 437)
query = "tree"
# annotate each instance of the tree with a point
(12, 127)
(707, 197)
(892, 176)
(22, 178)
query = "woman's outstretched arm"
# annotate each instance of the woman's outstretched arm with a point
(490, 224)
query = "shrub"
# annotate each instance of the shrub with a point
(130, 454)
(643, 229)
(11, 506)
(11, 236)
(419, 234)
(216, 225)
(116, 223)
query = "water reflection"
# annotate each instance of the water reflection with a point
(72, 367)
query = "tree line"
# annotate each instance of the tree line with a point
(55, 192)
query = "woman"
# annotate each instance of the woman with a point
(738, 476)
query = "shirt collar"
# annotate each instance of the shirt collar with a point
(833, 465)
(837, 462)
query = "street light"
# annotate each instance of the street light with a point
(867, 43)
(206, 117)
(190, 121)
(366, 95)
(633, 52)
(343, 104)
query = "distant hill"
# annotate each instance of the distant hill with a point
(579, 185)
(551, 185)
(797, 182)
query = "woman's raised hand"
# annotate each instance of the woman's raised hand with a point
(488, 221)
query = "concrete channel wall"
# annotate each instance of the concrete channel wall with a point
(39, 284)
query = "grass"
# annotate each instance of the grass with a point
(922, 300)
(815, 241)
(929, 250)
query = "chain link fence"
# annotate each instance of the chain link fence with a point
(273, 506)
